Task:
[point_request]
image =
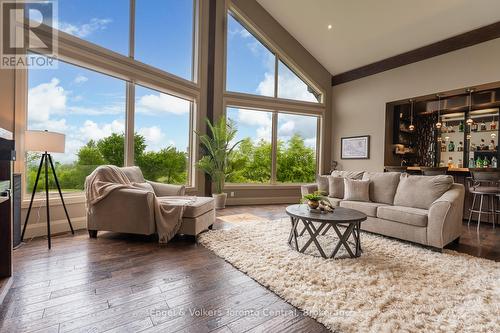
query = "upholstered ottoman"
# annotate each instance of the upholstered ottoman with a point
(198, 216)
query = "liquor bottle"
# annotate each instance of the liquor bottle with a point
(472, 163)
(460, 146)
(461, 126)
(479, 162)
(494, 162)
(450, 162)
(486, 162)
(482, 145)
(443, 147)
(493, 125)
(491, 146)
(474, 127)
(451, 146)
(483, 126)
(460, 164)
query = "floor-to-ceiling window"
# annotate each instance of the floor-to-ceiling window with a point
(134, 105)
(270, 103)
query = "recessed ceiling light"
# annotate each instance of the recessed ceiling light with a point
(329, 27)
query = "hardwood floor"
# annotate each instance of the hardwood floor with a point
(127, 283)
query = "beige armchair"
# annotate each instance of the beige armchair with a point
(131, 210)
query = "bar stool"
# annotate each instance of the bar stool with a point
(484, 183)
(430, 171)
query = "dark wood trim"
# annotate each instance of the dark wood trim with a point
(212, 19)
(458, 42)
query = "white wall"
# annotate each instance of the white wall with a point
(359, 106)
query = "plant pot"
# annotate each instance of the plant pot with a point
(220, 200)
(313, 204)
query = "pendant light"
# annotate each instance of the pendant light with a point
(469, 120)
(411, 127)
(439, 124)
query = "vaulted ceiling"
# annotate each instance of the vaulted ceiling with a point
(366, 31)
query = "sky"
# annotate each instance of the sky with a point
(87, 105)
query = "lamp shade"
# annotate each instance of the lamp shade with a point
(44, 141)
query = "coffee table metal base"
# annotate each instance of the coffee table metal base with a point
(313, 232)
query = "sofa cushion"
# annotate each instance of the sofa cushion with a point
(335, 187)
(406, 215)
(348, 174)
(356, 190)
(134, 174)
(369, 208)
(383, 186)
(322, 182)
(199, 207)
(421, 191)
(144, 186)
(334, 201)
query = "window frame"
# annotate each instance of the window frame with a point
(275, 105)
(79, 52)
(279, 55)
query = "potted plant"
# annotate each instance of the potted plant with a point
(316, 201)
(217, 147)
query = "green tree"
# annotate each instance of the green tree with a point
(168, 165)
(112, 148)
(296, 163)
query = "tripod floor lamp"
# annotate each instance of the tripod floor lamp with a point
(45, 142)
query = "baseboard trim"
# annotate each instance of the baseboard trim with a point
(57, 227)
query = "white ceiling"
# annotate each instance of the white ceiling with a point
(365, 31)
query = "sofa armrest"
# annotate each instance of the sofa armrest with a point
(445, 217)
(308, 189)
(128, 210)
(165, 190)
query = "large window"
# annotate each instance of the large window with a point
(251, 160)
(89, 108)
(251, 68)
(164, 35)
(296, 152)
(295, 147)
(97, 111)
(162, 131)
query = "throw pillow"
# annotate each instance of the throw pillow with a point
(383, 186)
(335, 187)
(347, 174)
(421, 191)
(356, 190)
(322, 182)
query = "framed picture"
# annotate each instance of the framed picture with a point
(355, 147)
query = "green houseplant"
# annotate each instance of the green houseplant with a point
(217, 146)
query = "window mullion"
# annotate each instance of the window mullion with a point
(276, 64)
(131, 41)
(274, 147)
(129, 124)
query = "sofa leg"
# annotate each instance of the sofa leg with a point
(93, 233)
(210, 227)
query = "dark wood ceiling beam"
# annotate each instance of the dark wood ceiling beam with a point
(458, 42)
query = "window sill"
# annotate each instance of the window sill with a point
(264, 186)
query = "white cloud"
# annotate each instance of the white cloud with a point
(93, 131)
(162, 103)
(46, 99)
(85, 29)
(287, 129)
(266, 86)
(290, 86)
(155, 138)
(80, 79)
(254, 118)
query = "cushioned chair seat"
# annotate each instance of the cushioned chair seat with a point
(334, 201)
(369, 208)
(407, 215)
(199, 207)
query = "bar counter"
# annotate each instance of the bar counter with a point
(417, 168)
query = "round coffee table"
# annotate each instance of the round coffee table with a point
(300, 214)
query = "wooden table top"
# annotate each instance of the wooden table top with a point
(339, 215)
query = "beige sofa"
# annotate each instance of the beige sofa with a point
(131, 210)
(421, 209)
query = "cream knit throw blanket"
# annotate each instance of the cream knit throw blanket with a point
(167, 210)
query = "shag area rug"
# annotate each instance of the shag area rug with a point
(393, 287)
